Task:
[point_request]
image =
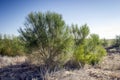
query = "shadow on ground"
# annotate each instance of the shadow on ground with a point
(22, 72)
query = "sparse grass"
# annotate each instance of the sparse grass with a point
(111, 62)
(8, 61)
(68, 75)
(108, 69)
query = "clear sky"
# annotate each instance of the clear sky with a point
(102, 16)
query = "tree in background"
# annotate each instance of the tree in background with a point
(105, 43)
(116, 43)
(47, 35)
(117, 40)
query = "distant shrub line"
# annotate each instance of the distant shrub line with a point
(11, 46)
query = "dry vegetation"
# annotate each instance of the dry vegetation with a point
(8, 61)
(56, 51)
(111, 62)
(108, 69)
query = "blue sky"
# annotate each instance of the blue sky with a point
(102, 16)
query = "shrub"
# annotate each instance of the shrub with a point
(105, 43)
(87, 50)
(117, 40)
(11, 46)
(47, 35)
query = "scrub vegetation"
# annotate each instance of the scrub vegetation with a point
(48, 35)
(46, 40)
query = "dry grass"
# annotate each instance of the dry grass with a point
(35, 58)
(7, 61)
(108, 69)
(111, 62)
(68, 75)
(82, 74)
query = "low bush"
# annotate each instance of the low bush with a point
(11, 46)
(88, 50)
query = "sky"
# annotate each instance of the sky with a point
(102, 16)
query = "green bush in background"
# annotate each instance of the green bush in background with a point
(11, 46)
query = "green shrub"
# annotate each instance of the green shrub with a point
(116, 43)
(47, 34)
(11, 46)
(105, 43)
(87, 50)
